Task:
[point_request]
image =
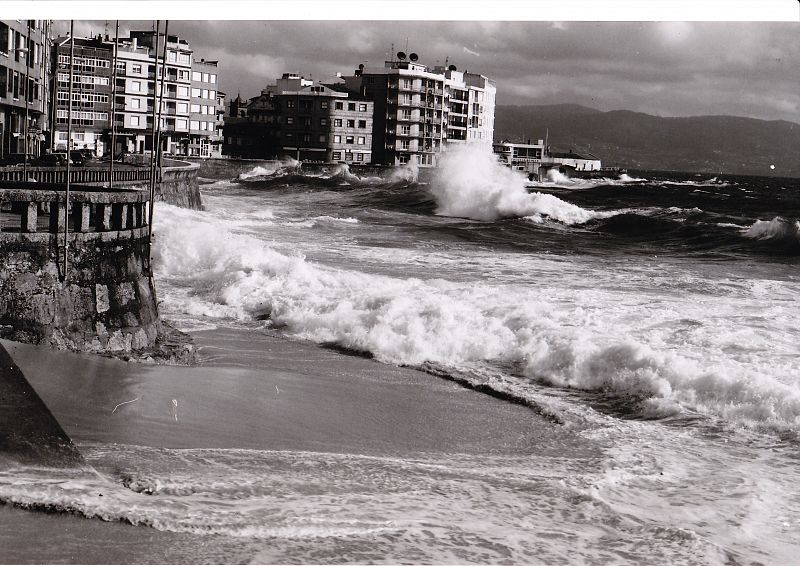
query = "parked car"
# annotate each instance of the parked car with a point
(77, 157)
(52, 160)
(16, 159)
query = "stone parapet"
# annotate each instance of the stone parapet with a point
(102, 299)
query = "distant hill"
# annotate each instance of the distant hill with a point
(712, 144)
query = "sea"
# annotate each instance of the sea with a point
(648, 320)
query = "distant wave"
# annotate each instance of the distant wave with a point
(778, 230)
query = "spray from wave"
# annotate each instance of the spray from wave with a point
(413, 321)
(470, 183)
(270, 169)
(778, 230)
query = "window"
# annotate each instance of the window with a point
(340, 106)
(172, 56)
(307, 121)
(290, 119)
(194, 125)
(362, 124)
(348, 156)
(306, 137)
(195, 108)
(136, 103)
(136, 86)
(195, 92)
(349, 139)
(184, 58)
(136, 69)
(181, 123)
(306, 104)
(337, 122)
(183, 91)
(351, 106)
(323, 138)
(337, 139)
(323, 104)
(336, 155)
(134, 120)
(213, 79)
(197, 76)
(212, 94)
(183, 108)
(351, 123)
(206, 78)
(362, 107)
(359, 157)
(204, 93)
(323, 121)
(204, 126)
(362, 140)
(290, 104)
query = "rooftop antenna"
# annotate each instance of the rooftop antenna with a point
(392, 52)
(406, 44)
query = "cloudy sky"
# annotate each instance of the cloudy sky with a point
(664, 68)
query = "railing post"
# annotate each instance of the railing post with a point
(30, 217)
(104, 217)
(85, 209)
(58, 217)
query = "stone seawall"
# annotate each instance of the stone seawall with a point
(103, 298)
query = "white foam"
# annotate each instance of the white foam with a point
(412, 321)
(269, 169)
(777, 229)
(471, 184)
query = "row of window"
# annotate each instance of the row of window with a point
(93, 62)
(83, 97)
(63, 79)
(337, 122)
(12, 83)
(203, 109)
(324, 105)
(197, 76)
(84, 115)
(204, 93)
(348, 156)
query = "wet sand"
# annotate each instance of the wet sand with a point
(252, 391)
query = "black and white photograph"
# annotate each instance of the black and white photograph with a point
(400, 282)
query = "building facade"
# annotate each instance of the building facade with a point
(24, 87)
(190, 117)
(419, 111)
(304, 120)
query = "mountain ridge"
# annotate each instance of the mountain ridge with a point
(636, 140)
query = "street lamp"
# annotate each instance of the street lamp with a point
(24, 51)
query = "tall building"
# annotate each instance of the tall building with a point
(91, 93)
(418, 111)
(24, 88)
(181, 112)
(205, 124)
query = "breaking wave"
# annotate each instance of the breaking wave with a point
(778, 230)
(413, 321)
(471, 184)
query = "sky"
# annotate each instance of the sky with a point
(666, 68)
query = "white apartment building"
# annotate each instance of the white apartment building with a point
(205, 122)
(418, 111)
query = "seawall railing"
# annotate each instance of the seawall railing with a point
(24, 210)
(78, 175)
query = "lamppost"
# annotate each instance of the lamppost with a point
(25, 51)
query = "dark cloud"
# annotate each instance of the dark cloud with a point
(666, 68)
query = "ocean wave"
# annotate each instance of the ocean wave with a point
(413, 322)
(471, 184)
(779, 230)
(270, 169)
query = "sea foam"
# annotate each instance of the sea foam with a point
(414, 321)
(470, 183)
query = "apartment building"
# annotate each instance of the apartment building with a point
(305, 120)
(190, 112)
(205, 122)
(91, 93)
(24, 87)
(418, 111)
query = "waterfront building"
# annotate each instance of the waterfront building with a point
(205, 122)
(24, 88)
(91, 93)
(190, 121)
(419, 111)
(520, 156)
(305, 120)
